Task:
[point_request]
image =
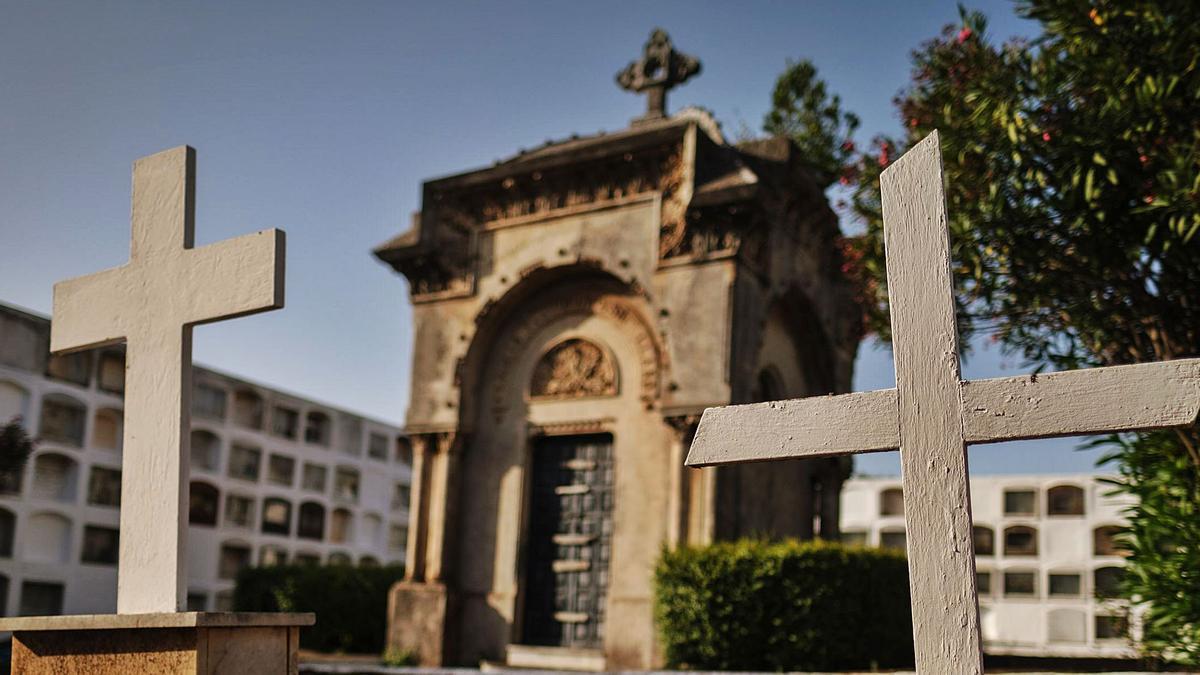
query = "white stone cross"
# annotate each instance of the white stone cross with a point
(151, 303)
(932, 414)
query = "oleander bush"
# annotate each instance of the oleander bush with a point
(756, 605)
(350, 602)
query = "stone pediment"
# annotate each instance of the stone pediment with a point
(704, 183)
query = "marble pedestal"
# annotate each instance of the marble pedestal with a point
(196, 643)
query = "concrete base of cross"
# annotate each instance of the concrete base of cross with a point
(196, 643)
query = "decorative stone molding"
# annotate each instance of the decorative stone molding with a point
(574, 368)
(432, 442)
(615, 308)
(439, 264)
(683, 427)
(673, 221)
(596, 426)
(719, 232)
(519, 197)
(452, 278)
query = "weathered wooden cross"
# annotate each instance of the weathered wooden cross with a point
(932, 414)
(152, 303)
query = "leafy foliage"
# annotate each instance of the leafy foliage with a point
(814, 120)
(350, 602)
(1163, 540)
(15, 447)
(1073, 180)
(1073, 193)
(755, 605)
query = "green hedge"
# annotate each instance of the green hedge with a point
(350, 602)
(756, 605)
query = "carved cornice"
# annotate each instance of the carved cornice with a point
(439, 254)
(546, 193)
(439, 263)
(432, 280)
(683, 425)
(572, 428)
(723, 232)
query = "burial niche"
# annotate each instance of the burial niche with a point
(574, 368)
(106, 429)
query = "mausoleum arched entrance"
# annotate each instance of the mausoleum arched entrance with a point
(565, 456)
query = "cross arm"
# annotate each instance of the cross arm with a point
(808, 427)
(235, 277)
(88, 311)
(1069, 403)
(1082, 402)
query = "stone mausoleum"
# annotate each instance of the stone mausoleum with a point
(576, 308)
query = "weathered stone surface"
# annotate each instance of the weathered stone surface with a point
(193, 643)
(697, 273)
(422, 634)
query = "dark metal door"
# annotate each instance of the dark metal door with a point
(570, 532)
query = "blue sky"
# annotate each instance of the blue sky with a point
(324, 118)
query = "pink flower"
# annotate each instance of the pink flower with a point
(1143, 159)
(963, 35)
(1046, 136)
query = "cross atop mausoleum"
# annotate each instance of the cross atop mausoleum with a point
(151, 303)
(660, 69)
(932, 414)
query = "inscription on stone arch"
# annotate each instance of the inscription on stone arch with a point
(574, 368)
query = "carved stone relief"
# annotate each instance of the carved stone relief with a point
(653, 360)
(573, 369)
(717, 231)
(539, 194)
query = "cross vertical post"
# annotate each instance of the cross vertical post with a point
(152, 303)
(933, 451)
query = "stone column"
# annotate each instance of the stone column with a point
(419, 608)
(702, 505)
(679, 479)
(418, 518)
(443, 496)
